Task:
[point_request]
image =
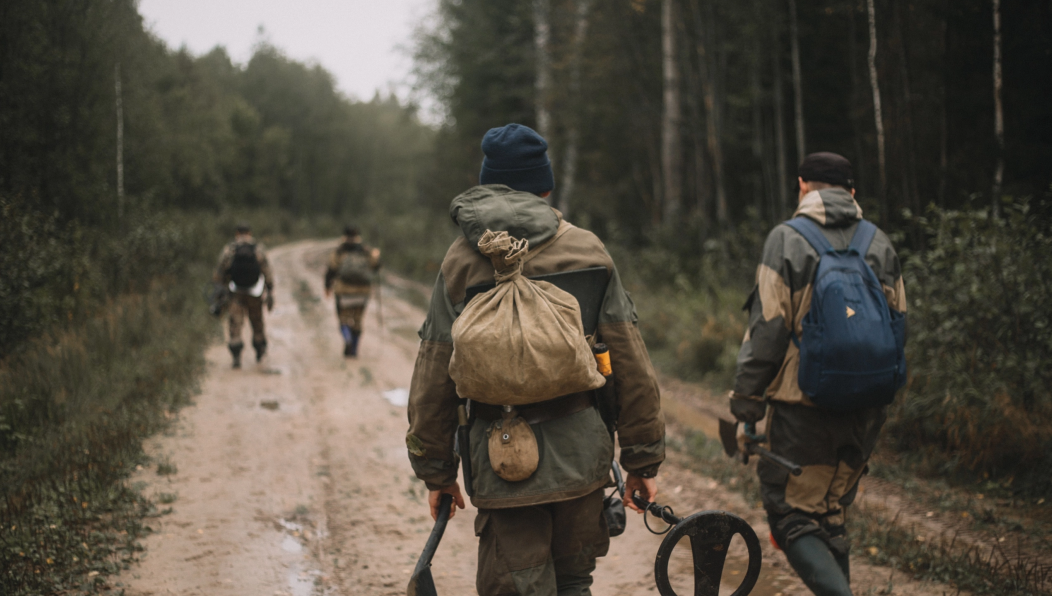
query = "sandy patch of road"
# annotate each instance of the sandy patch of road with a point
(292, 477)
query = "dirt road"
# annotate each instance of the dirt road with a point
(291, 476)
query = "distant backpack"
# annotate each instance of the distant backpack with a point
(355, 268)
(244, 268)
(852, 346)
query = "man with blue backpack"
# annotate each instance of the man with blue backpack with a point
(821, 360)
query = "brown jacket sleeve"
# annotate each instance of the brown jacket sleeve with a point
(640, 423)
(219, 276)
(433, 397)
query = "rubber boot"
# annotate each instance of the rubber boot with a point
(345, 330)
(355, 336)
(261, 349)
(844, 562)
(817, 567)
(235, 351)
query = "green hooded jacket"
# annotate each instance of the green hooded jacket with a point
(575, 450)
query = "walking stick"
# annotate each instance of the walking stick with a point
(380, 302)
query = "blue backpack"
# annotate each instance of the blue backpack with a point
(852, 347)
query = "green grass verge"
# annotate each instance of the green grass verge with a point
(76, 405)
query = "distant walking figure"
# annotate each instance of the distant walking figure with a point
(244, 268)
(350, 276)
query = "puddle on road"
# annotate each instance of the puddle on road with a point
(302, 583)
(301, 579)
(291, 545)
(398, 397)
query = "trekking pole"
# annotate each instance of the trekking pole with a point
(380, 303)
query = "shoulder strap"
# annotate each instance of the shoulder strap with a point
(863, 237)
(812, 233)
(564, 226)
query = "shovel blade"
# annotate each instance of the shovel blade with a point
(422, 584)
(729, 437)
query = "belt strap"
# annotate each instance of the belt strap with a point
(541, 411)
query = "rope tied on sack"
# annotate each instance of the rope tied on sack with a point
(506, 253)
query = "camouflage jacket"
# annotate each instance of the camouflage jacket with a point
(332, 278)
(768, 360)
(222, 272)
(575, 450)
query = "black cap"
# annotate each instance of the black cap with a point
(829, 168)
(350, 231)
(243, 227)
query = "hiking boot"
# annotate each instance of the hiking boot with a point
(348, 350)
(235, 351)
(261, 349)
(814, 562)
(355, 336)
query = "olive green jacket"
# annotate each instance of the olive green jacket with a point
(576, 450)
(768, 361)
(332, 277)
(222, 270)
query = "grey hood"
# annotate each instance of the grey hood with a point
(830, 207)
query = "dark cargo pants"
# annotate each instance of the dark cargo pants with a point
(832, 448)
(541, 550)
(350, 309)
(242, 305)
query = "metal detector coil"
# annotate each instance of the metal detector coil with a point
(710, 534)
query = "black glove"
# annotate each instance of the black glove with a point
(747, 409)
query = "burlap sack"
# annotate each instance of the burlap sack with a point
(521, 342)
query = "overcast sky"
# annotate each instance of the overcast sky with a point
(356, 40)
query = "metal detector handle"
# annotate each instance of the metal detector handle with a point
(777, 460)
(656, 510)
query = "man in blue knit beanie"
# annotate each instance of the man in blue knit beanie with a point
(539, 535)
(517, 157)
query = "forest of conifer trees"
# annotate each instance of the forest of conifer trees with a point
(675, 129)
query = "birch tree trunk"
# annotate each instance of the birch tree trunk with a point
(856, 100)
(798, 84)
(120, 140)
(779, 119)
(541, 41)
(999, 118)
(944, 158)
(755, 92)
(707, 75)
(569, 172)
(671, 156)
(909, 182)
(877, 114)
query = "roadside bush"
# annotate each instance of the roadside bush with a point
(689, 289)
(75, 405)
(980, 325)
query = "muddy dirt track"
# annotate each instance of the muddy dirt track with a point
(292, 476)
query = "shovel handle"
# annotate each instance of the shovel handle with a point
(777, 460)
(444, 505)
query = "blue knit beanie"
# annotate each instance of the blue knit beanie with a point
(516, 156)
